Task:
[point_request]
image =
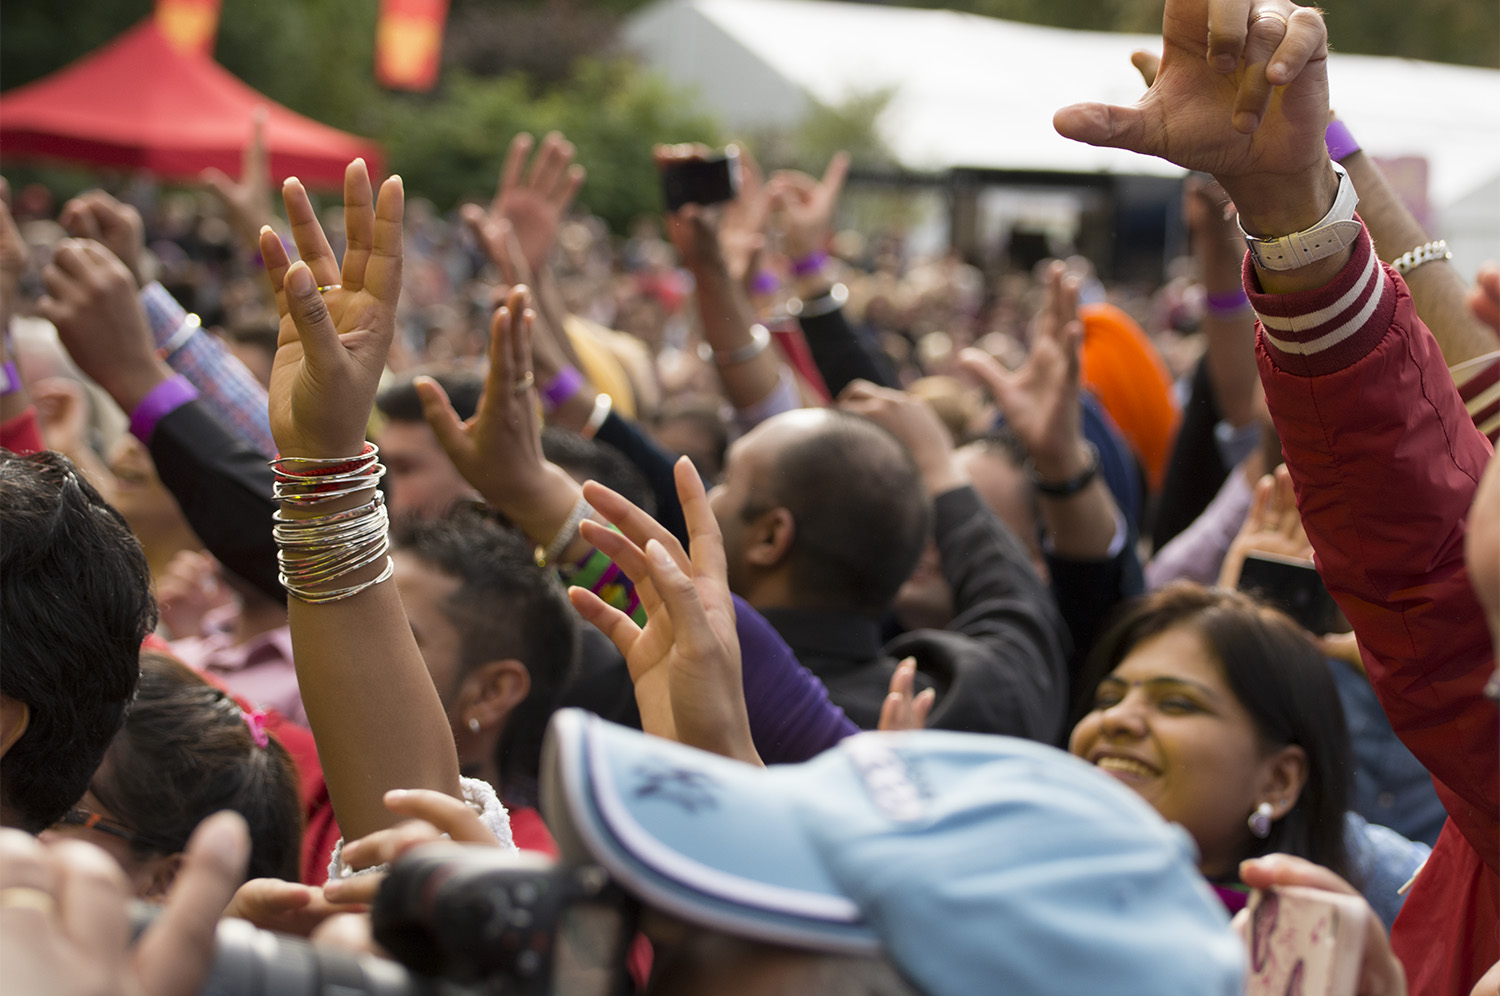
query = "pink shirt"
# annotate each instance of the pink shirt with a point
(260, 670)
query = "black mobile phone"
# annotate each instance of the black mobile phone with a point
(1294, 587)
(710, 180)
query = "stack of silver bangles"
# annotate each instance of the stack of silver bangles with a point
(321, 550)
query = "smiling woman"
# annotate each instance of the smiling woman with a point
(1220, 712)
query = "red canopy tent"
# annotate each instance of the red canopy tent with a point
(139, 102)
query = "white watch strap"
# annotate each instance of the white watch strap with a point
(1336, 230)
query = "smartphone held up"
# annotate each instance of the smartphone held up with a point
(701, 178)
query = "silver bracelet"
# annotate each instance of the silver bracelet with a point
(825, 303)
(1425, 253)
(318, 597)
(760, 339)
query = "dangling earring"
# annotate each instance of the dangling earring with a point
(1260, 820)
(474, 728)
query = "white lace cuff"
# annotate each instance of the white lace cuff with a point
(479, 794)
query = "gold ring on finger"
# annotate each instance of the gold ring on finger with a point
(524, 384)
(324, 288)
(1259, 14)
(27, 897)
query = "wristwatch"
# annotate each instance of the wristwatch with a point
(1336, 231)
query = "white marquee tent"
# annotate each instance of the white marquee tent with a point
(975, 92)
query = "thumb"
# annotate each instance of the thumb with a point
(1107, 125)
(1000, 381)
(1146, 63)
(175, 953)
(438, 411)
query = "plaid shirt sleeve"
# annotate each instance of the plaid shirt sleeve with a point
(233, 396)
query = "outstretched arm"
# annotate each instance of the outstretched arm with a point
(370, 701)
(1383, 455)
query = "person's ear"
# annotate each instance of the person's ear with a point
(154, 878)
(490, 691)
(15, 716)
(1285, 773)
(769, 537)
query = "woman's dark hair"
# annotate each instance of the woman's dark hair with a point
(1280, 677)
(186, 752)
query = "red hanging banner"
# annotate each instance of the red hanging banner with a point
(409, 43)
(190, 25)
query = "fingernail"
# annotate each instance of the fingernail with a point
(658, 553)
(267, 228)
(1224, 62)
(226, 836)
(289, 181)
(299, 279)
(1278, 70)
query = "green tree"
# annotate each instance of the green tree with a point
(448, 146)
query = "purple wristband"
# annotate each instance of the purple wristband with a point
(159, 402)
(560, 388)
(809, 264)
(765, 282)
(1229, 302)
(1341, 144)
(10, 378)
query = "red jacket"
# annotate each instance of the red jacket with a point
(1385, 460)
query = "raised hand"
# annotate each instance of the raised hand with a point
(1484, 298)
(247, 201)
(499, 449)
(551, 348)
(13, 258)
(96, 215)
(91, 299)
(64, 921)
(685, 662)
(534, 201)
(1210, 107)
(802, 208)
(902, 710)
(337, 322)
(1040, 400)
(1272, 526)
(912, 421)
(742, 226)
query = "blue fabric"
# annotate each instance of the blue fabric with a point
(1384, 861)
(1391, 787)
(977, 863)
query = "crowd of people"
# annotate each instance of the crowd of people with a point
(817, 621)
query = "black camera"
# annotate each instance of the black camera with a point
(480, 916)
(461, 921)
(709, 180)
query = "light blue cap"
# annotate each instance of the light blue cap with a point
(978, 864)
